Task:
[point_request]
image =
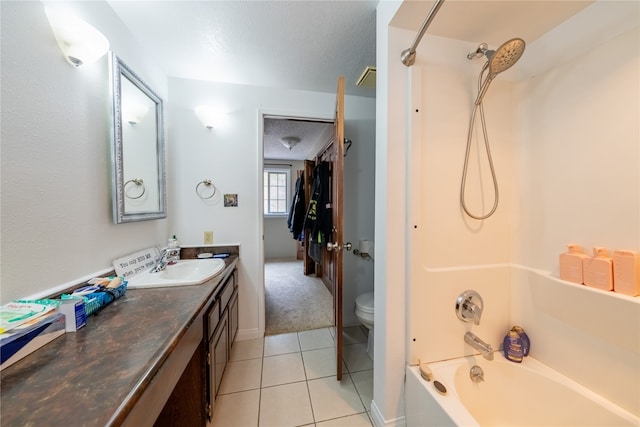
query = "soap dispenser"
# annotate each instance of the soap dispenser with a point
(571, 264)
(174, 250)
(598, 270)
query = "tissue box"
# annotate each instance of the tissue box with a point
(73, 310)
(27, 338)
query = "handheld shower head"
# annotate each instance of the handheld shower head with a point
(500, 60)
(505, 56)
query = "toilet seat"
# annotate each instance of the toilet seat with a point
(364, 303)
(364, 314)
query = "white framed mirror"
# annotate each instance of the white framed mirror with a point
(137, 147)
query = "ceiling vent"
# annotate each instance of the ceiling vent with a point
(368, 78)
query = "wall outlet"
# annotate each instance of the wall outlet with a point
(208, 237)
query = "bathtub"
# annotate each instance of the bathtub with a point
(512, 394)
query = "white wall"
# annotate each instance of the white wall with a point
(387, 407)
(56, 174)
(565, 146)
(359, 202)
(231, 156)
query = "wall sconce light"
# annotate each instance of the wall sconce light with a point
(209, 116)
(290, 141)
(134, 114)
(80, 42)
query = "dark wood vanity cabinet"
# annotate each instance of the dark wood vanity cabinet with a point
(221, 326)
(193, 398)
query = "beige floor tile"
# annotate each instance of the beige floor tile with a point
(320, 363)
(281, 344)
(285, 405)
(363, 381)
(358, 420)
(237, 409)
(354, 334)
(315, 339)
(356, 358)
(332, 399)
(241, 375)
(282, 369)
(247, 349)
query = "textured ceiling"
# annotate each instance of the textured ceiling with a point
(303, 45)
(313, 136)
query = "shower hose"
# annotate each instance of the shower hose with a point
(478, 106)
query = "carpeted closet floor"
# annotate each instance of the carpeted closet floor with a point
(294, 302)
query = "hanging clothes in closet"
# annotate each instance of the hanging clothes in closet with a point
(318, 218)
(295, 222)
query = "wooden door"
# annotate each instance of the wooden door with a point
(331, 268)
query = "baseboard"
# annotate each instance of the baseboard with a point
(248, 334)
(379, 421)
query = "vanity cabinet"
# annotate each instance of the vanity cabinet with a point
(221, 325)
(154, 347)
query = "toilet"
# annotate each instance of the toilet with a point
(364, 313)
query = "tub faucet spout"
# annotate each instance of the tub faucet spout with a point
(485, 349)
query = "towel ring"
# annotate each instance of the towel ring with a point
(137, 181)
(206, 183)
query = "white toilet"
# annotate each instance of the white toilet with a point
(364, 313)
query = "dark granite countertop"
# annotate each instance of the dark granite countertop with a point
(95, 376)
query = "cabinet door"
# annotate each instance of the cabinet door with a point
(233, 319)
(217, 359)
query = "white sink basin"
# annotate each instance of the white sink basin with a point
(184, 273)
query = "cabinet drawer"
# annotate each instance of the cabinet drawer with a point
(226, 293)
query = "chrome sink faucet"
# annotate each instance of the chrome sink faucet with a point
(485, 349)
(162, 261)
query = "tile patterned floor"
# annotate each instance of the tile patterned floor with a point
(289, 380)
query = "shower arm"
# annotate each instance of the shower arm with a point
(408, 56)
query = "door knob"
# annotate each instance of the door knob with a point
(336, 246)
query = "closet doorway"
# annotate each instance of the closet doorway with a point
(294, 301)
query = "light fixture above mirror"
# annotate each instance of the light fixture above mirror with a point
(80, 42)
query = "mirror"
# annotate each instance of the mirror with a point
(137, 147)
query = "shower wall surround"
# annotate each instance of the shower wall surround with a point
(566, 147)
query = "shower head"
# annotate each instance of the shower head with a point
(505, 56)
(499, 60)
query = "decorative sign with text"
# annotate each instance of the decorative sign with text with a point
(135, 263)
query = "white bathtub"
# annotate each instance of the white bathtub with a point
(512, 394)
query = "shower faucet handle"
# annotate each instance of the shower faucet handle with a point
(469, 306)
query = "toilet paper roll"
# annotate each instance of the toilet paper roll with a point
(364, 246)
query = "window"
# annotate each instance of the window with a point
(276, 192)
